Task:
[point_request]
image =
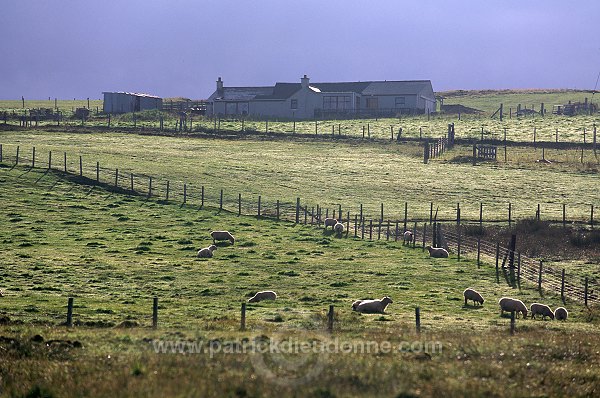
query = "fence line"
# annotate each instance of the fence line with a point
(358, 224)
(190, 192)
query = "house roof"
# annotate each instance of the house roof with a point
(243, 93)
(132, 94)
(409, 87)
(282, 91)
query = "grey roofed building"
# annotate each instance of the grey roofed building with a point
(307, 100)
(123, 102)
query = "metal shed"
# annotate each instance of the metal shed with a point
(123, 102)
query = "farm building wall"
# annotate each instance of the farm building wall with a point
(128, 102)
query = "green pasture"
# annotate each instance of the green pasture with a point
(113, 253)
(327, 173)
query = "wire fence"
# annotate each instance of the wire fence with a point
(357, 224)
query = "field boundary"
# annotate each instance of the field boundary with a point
(360, 226)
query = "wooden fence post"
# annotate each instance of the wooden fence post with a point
(459, 241)
(497, 255)
(397, 232)
(17, 158)
(258, 212)
(540, 276)
(202, 197)
(512, 322)
(585, 292)
(168, 186)
(70, 312)
(562, 285)
(184, 193)
(564, 215)
(356, 225)
(478, 252)
(371, 229)
(239, 204)
(150, 186)
(49, 160)
(330, 319)
(277, 210)
(221, 200)
(65, 161)
(155, 313)
(116, 177)
(243, 317)
(592, 217)
(481, 215)
(131, 182)
(379, 231)
(33, 158)
(97, 172)
(509, 214)
(80, 166)
(298, 209)
(405, 214)
(418, 319)
(424, 235)
(519, 268)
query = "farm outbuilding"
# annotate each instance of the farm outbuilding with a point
(305, 100)
(122, 102)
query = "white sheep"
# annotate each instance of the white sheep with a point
(541, 309)
(207, 252)
(511, 304)
(438, 252)
(260, 296)
(222, 235)
(371, 306)
(561, 314)
(338, 228)
(408, 237)
(474, 295)
(330, 222)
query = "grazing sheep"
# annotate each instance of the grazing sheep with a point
(561, 314)
(541, 309)
(471, 294)
(207, 252)
(371, 306)
(330, 222)
(408, 237)
(222, 235)
(260, 296)
(438, 252)
(511, 304)
(338, 228)
(1, 293)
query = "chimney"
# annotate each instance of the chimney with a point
(304, 81)
(220, 86)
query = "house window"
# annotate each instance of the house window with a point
(333, 102)
(400, 101)
(294, 104)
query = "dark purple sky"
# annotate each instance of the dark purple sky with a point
(77, 49)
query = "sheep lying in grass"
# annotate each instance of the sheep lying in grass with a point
(437, 252)
(408, 237)
(561, 314)
(471, 294)
(222, 235)
(338, 228)
(541, 309)
(330, 222)
(207, 252)
(511, 304)
(260, 296)
(371, 306)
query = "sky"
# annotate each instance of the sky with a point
(178, 48)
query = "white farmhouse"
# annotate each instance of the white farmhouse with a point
(306, 100)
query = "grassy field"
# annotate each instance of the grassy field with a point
(329, 173)
(114, 252)
(63, 236)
